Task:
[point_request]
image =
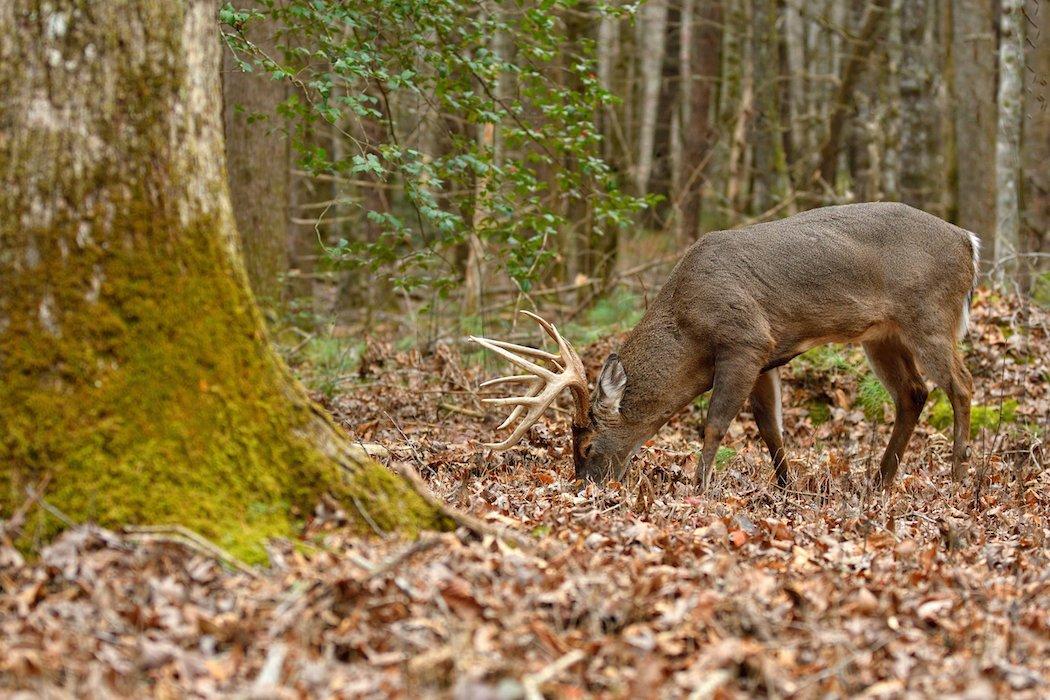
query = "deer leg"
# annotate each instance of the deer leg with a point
(945, 366)
(895, 367)
(766, 408)
(732, 383)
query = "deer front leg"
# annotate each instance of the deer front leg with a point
(733, 381)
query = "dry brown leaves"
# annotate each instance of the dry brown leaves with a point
(640, 589)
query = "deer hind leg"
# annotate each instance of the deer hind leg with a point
(894, 365)
(943, 363)
(733, 381)
(766, 408)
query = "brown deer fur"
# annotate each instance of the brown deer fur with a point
(741, 303)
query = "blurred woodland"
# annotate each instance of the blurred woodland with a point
(457, 160)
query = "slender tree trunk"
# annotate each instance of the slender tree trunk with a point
(136, 372)
(652, 38)
(851, 75)
(918, 102)
(258, 164)
(1008, 140)
(771, 179)
(891, 170)
(973, 41)
(1035, 184)
(608, 58)
(795, 55)
(738, 175)
(698, 133)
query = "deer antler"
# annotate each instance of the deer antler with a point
(546, 383)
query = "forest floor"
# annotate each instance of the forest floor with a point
(640, 589)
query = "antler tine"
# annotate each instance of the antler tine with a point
(524, 350)
(563, 345)
(511, 378)
(539, 371)
(533, 391)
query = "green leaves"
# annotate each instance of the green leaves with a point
(470, 118)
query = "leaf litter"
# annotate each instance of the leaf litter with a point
(637, 589)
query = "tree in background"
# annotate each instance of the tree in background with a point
(1008, 137)
(137, 378)
(259, 165)
(973, 56)
(1035, 180)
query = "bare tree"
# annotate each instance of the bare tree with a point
(1008, 140)
(973, 41)
(1035, 186)
(652, 35)
(918, 67)
(258, 161)
(702, 68)
(771, 180)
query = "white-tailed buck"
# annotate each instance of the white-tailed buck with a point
(739, 304)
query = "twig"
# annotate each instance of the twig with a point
(177, 534)
(13, 525)
(368, 518)
(462, 411)
(531, 683)
(423, 544)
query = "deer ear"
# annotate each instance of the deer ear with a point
(611, 384)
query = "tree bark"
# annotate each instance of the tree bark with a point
(771, 178)
(652, 37)
(973, 42)
(1035, 183)
(917, 98)
(891, 165)
(698, 130)
(135, 368)
(1008, 138)
(851, 74)
(258, 165)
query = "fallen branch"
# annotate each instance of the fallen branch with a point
(177, 534)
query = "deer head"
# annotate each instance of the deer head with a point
(603, 439)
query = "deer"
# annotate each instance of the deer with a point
(740, 304)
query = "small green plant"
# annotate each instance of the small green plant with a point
(1041, 290)
(819, 412)
(872, 397)
(323, 361)
(828, 359)
(723, 456)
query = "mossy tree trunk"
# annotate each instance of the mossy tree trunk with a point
(134, 368)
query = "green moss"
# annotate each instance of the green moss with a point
(986, 417)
